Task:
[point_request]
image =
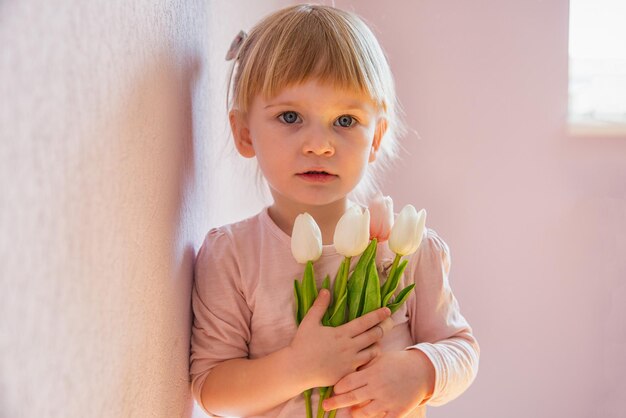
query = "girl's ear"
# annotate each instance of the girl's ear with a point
(241, 134)
(381, 128)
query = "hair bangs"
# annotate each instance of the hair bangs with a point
(306, 45)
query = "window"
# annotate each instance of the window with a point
(597, 67)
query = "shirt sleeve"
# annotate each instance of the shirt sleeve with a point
(438, 327)
(221, 316)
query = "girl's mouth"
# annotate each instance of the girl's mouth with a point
(314, 176)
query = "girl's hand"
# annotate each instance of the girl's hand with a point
(394, 383)
(323, 355)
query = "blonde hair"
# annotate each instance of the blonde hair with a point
(306, 41)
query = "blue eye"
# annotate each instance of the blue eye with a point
(345, 121)
(289, 117)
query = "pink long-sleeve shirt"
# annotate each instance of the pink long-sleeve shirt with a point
(243, 307)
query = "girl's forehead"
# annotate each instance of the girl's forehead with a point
(316, 90)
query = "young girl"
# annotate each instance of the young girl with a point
(313, 101)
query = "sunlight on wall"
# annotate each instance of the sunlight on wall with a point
(597, 57)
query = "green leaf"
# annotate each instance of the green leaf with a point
(309, 288)
(326, 283)
(355, 292)
(341, 279)
(394, 266)
(393, 281)
(356, 282)
(338, 316)
(340, 289)
(326, 318)
(402, 297)
(297, 296)
(372, 290)
(364, 261)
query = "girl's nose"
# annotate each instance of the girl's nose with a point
(318, 143)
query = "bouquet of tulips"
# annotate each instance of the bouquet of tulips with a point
(359, 291)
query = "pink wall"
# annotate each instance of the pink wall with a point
(536, 219)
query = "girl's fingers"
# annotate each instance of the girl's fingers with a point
(349, 383)
(365, 356)
(360, 325)
(318, 309)
(387, 325)
(354, 397)
(375, 334)
(369, 337)
(372, 409)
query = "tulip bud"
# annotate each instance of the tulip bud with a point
(352, 232)
(406, 234)
(306, 239)
(381, 217)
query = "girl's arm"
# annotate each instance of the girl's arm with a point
(445, 355)
(318, 356)
(437, 325)
(397, 382)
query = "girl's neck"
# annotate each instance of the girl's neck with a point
(326, 216)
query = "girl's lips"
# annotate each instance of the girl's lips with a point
(316, 177)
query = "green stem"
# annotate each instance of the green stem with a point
(307, 403)
(324, 394)
(396, 260)
(329, 392)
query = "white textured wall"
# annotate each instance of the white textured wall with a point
(112, 120)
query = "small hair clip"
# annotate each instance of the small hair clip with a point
(235, 45)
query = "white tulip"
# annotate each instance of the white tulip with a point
(352, 233)
(306, 239)
(407, 231)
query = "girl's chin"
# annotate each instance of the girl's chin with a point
(309, 200)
